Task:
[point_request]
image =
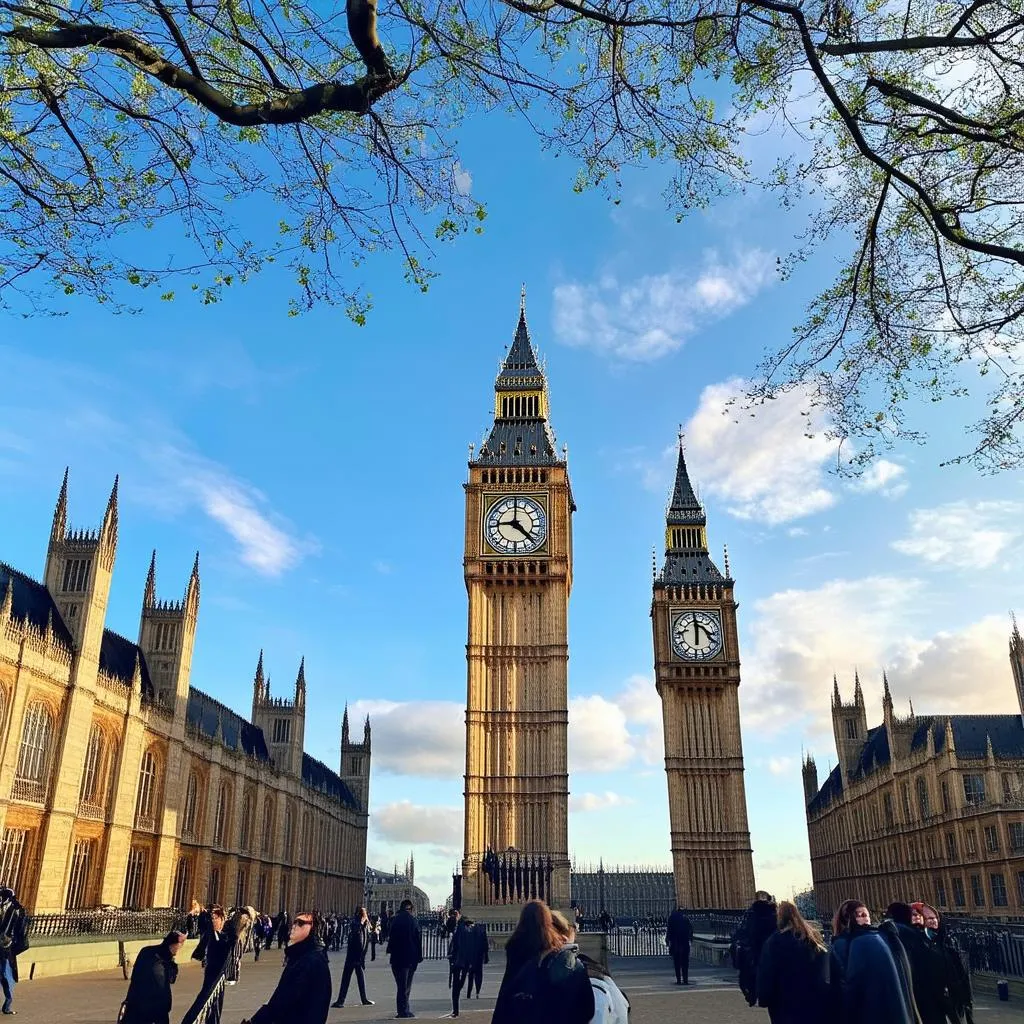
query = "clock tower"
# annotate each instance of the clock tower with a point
(518, 573)
(697, 674)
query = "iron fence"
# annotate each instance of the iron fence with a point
(103, 923)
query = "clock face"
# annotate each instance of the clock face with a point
(516, 525)
(696, 636)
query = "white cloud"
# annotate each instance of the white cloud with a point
(801, 637)
(406, 822)
(598, 738)
(605, 801)
(641, 705)
(766, 464)
(884, 477)
(652, 316)
(463, 180)
(965, 535)
(425, 738)
(781, 765)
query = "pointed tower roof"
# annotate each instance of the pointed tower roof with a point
(60, 513)
(683, 506)
(886, 694)
(686, 544)
(858, 693)
(836, 696)
(149, 595)
(259, 669)
(344, 727)
(300, 679)
(521, 434)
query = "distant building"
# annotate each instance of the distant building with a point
(123, 784)
(623, 892)
(924, 807)
(385, 890)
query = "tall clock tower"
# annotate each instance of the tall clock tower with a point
(697, 674)
(518, 572)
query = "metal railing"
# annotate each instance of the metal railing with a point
(113, 922)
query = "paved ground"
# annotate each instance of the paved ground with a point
(714, 999)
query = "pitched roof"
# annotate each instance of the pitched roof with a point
(318, 776)
(207, 714)
(689, 567)
(117, 659)
(32, 603)
(831, 790)
(874, 754)
(971, 734)
(684, 506)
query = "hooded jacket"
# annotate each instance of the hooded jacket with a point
(870, 968)
(303, 994)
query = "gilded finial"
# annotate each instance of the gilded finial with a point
(728, 571)
(682, 438)
(522, 300)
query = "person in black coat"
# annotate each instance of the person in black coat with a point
(284, 927)
(13, 942)
(405, 946)
(870, 973)
(793, 971)
(461, 953)
(927, 964)
(678, 936)
(757, 925)
(355, 957)
(303, 994)
(481, 956)
(149, 992)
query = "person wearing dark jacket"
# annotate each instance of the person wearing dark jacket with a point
(355, 957)
(149, 992)
(13, 942)
(870, 972)
(461, 952)
(960, 1004)
(284, 928)
(793, 972)
(678, 936)
(303, 994)
(757, 925)
(481, 956)
(218, 948)
(405, 946)
(927, 964)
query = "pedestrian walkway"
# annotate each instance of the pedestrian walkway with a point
(648, 981)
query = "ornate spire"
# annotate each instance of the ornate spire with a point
(300, 682)
(344, 727)
(683, 505)
(7, 605)
(886, 695)
(60, 514)
(725, 557)
(521, 361)
(108, 532)
(858, 693)
(366, 731)
(149, 595)
(192, 590)
(836, 698)
(258, 687)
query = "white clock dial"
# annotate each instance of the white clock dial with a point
(516, 525)
(696, 636)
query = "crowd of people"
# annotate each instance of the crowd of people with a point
(903, 970)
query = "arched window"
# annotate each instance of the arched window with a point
(289, 828)
(188, 817)
(245, 825)
(92, 794)
(145, 798)
(923, 806)
(307, 838)
(223, 817)
(267, 835)
(33, 772)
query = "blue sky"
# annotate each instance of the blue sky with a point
(296, 454)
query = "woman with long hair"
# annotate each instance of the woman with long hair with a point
(869, 972)
(355, 957)
(540, 976)
(793, 972)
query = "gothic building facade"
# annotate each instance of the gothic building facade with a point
(631, 893)
(924, 807)
(385, 890)
(518, 573)
(123, 784)
(697, 674)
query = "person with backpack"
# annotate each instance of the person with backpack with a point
(793, 973)
(544, 981)
(610, 1003)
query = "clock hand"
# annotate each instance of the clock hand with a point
(519, 526)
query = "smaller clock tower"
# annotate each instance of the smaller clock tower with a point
(697, 674)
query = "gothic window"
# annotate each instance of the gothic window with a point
(357, 766)
(905, 792)
(182, 883)
(945, 796)
(213, 889)
(940, 892)
(91, 795)
(1015, 834)
(245, 825)
(307, 839)
(33, 771)
(166, 636)
(188, 818)
(78, 882)
(974, 790)
(76, 574)
(282, 730)
(923, 806)
(135, 878)
(851, 729)
(12, 853)
(951, 847)
(241, 881)
(998, 884)
(267, 835)
(991, 839)
(929, 842)
(958, 892)
(286, 851)
(972, 842)
(222, 818)
(890, 817)
(977, 891)
(145, 797)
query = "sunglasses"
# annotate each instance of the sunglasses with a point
(302, 922)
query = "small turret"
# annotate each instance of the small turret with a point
(282, 720)
(849, 725)
(7, 604)
(300, 685)
(1017, 663)
(366, 733)
(108, 531)
(59, 529)
(344, 728)
(259, 686)
(355, 761)
(149, 594)
(810, 776)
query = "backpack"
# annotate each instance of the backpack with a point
(530, 998)
(610, 1003)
